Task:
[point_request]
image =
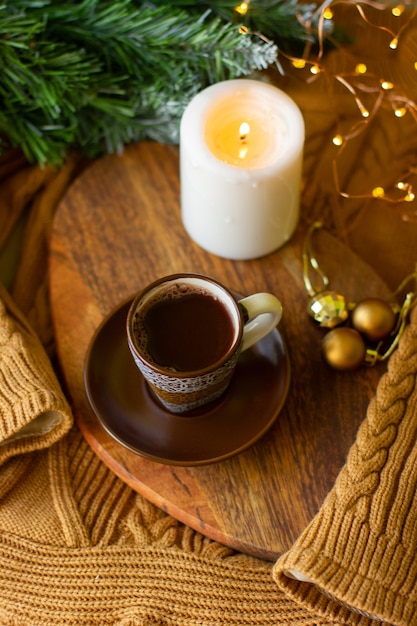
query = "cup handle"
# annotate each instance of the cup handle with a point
(263, 313)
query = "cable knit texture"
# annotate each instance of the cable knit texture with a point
(78, 547)
(360, 550)
(33, 412)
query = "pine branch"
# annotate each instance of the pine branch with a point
(98, 74)
(280, 20)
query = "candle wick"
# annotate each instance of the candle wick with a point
(244, 132)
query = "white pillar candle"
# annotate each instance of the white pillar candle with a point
(241, 151)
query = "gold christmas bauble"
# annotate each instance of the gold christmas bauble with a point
(373, 318)
(328, 308)
(343, 348)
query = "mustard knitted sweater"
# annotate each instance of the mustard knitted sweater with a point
(78, 546)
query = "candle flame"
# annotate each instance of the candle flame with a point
(244, 131)
(243, 152)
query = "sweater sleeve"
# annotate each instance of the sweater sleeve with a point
(33, 410)
(356, 561)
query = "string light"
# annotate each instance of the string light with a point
(364, 111)
(383, 92)
(361, 68)
(398, 10)
(386, 84)
(315, 69)
(378, 192)
(410, 196)
(300, 64)
(242, 8)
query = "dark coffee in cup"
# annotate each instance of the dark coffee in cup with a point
(185, 333)
(184, 329)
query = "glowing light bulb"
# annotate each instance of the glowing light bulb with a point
(387, 85)
(242, 8)
(362, 108)
(378, 192)
(314, 69)
(400, 112)
(299, 64)
(398, 10)
(394, 43)
(409, 197)
(337, 140)
(328, 14)
(361, 68)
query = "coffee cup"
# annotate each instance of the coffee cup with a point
(186, 331)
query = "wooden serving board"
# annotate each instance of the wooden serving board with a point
(119, 228)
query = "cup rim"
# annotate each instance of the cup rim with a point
(173, 373)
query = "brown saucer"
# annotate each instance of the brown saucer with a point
(122, 402)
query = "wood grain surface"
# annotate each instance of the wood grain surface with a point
(119, 228)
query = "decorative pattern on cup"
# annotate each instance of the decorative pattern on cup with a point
(184, 394)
